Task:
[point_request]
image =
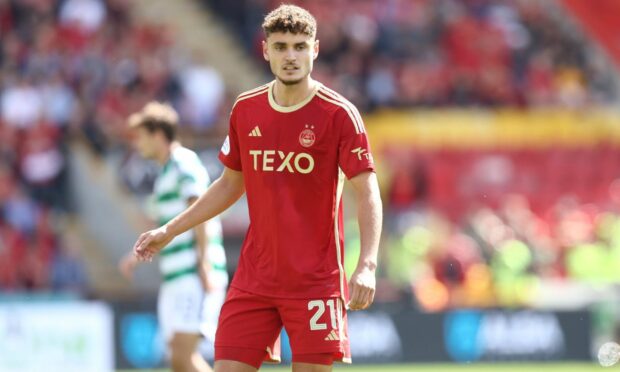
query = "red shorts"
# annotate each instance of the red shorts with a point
(249, 328)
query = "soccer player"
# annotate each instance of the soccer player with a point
(290, 145)
(193, 264)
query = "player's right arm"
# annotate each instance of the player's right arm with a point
(222, 193)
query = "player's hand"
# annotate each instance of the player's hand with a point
(361, 288)
(127, 265)
(150, 243)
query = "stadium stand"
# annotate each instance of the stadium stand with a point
(437, 53)
(468, 224)
(73, 71)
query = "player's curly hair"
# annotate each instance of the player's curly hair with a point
(290, 18)
(156, 116)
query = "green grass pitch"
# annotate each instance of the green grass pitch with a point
(478, 367)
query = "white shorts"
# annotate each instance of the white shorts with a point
(183, 306)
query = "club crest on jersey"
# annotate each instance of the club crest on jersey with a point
(307, 136)
(226, 146)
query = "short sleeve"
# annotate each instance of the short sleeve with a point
(229, 153)
(354, 155)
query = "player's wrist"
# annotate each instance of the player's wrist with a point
(168, 230)
(369, 264)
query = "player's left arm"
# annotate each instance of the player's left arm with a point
(369, 217)
(202, 249)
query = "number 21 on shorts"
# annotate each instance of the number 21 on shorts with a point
(318, 306)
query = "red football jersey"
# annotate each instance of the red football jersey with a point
(294, 160)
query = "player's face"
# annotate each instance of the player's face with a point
(290, 56)
(144, 142)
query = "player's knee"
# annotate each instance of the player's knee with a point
(181, 354)
(180, 363)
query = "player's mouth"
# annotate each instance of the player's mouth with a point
(290, 68)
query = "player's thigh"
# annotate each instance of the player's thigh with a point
(184, 344)
(247, 321)
(232, 366)
(316, 328)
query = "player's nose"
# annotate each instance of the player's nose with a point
(290, 55)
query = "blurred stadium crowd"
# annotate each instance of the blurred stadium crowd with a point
(404, 53)
(463, 228)
(75, 69)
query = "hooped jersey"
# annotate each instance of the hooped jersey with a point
(182, 178)
(294, 161)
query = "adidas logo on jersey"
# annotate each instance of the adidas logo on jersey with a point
(255, 132)
(332, 336)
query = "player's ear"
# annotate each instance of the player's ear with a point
(265, 46)
(316, 49)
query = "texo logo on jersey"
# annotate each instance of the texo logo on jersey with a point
(265, 160)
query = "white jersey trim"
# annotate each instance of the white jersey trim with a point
(257, 92)
(337, 233)
(254, 90)
(342, 105)
(274, 105)
(337, 96)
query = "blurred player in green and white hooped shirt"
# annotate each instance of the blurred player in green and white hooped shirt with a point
(193, 265)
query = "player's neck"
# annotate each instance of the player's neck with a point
(164, 155)
(290, 95)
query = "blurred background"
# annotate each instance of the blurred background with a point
(495, 125)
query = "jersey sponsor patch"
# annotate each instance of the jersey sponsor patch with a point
(267, 161)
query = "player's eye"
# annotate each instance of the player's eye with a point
(279, 47)
(301, 47)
